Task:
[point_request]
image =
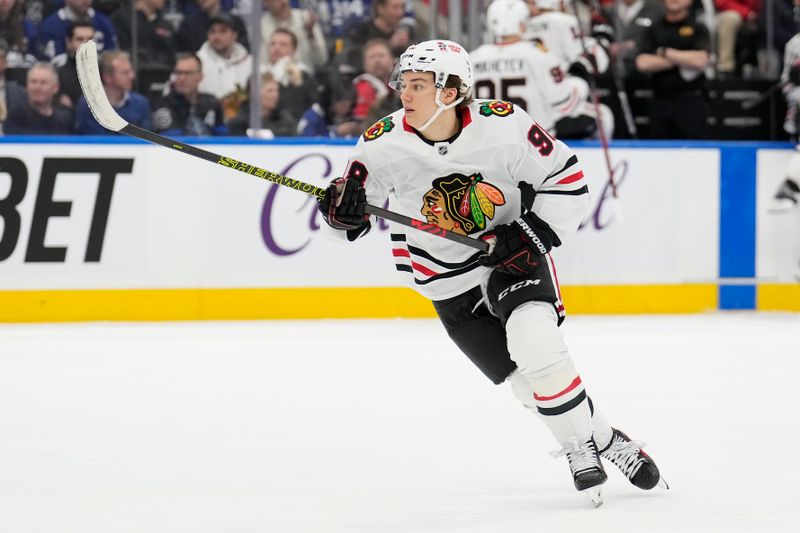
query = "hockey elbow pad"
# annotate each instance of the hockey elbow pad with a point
(344, 205)
(517, 248)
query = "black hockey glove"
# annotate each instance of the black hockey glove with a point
(344, 204)
(519, 247)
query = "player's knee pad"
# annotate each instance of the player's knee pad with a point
(537, 347)
(534, 340)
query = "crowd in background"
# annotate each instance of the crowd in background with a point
(324, 65)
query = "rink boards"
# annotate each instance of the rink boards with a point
(111, 229)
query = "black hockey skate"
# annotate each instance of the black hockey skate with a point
(587, 470)
(786, 198)
(629, 457)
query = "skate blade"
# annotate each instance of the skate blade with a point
(663, 483)
(595, 495)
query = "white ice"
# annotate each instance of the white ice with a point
(382, 426)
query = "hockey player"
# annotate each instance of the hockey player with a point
(579, 55)
(788, 195)
(460, 164)
(519, 72)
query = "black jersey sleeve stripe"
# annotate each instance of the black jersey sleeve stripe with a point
(450, 274)
(424, 254)
(570, 162)
(403, 268)
(576, 192)
(398, 236)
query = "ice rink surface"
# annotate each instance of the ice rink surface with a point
(382, 426)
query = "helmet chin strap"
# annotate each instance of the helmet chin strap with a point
(441, 108)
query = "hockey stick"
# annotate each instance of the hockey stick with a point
(752, 102)
(104, 113)
(592, 79)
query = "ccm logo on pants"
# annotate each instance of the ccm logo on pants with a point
(517, 286)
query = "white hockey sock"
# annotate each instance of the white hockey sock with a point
(537, 346)
(603, 431)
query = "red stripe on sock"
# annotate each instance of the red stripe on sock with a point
(575, 383)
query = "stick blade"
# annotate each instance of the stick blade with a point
(92, 87)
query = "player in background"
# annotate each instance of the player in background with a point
(579, 55)
(518, 71)
(787, 196)
(460, 164)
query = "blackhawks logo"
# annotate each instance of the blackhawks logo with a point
(379, 128)
(496, 107)
(461, 204)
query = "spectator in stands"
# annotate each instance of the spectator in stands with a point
(11, 93)
(156, 36)
(184, 110)
(18, 33)
(117, 75)
(373, 83)
(731, 14)
(387, 22)
(786, 20)
(192, 32)
(337, 16)
(335, 120)
(69, 87)
(675, 52)
(40, 114)
(53, 32)
(311, 48)
(630, 18)
(226, 63)
(38, 10)
(298, 91)
(276, 121)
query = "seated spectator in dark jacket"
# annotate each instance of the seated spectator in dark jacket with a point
(53, 32)
(11, 93)
(387, 22)
(192, 32)
(275, 120)
(335, 120)
(117, 75)
(156, 37)
(41, 113)
(184, 110)
(69, 87)
(298, 89)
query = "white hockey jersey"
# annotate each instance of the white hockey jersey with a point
(560, 34)
(467, 185)
(791, 92)
(524, 75)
